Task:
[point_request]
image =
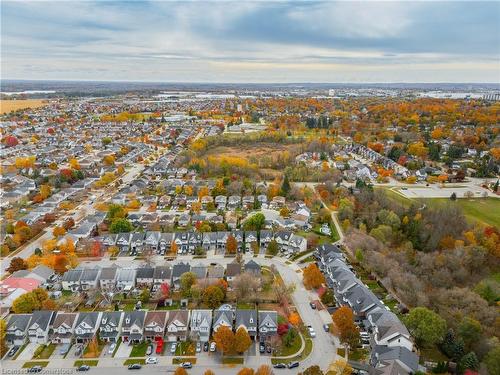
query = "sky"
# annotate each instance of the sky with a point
(251, 41)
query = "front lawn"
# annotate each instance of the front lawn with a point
(44, 353)
(88, 362)
(30, 364)
(93, 352)
(134, 361)
(232, 360)
(185, 348)
(179, 360)
(139, 350)
(286, 351)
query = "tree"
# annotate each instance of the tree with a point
(327, 298)
(272, 248)
(313, 277)
(255, 222)
(453, 196)
(68, 223)
(120, 226)
(469, 362)
(245, 371)
(213, 296)
(285, 186)
(145, 295)
(340, 367)
(313, 370)
(294, 319)
(17, 264)
(492, 360)
(231, 245)
(290, 337)
(59, 231)
(343, 320)
(264, 370)
(116, 211)
(470, 331)
(245, 285)
(187, 280)
(174, 248)
(224, 339)
(3, 332)
(242, 340)
(284, 212)
(426, 326)
(209, 372)
(180, 371)
(106, 141)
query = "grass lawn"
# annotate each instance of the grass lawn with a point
(185, 348)
(139, 350)
(245, 306)
(285, 351)
(179, 360)
(232, 360)
(358, 354)
(175, 306)
(88, 362)
(305, 353)
(88, 354)
(133, 361)
(483, 210)
(46, 352)
(35, 363)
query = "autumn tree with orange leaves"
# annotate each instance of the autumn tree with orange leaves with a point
(313, 277)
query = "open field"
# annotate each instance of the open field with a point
(7, 106)
(482, 210)
(250, 152)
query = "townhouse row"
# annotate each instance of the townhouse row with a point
(391, 343)
(188, 242)
(55, 327)
(146, 277)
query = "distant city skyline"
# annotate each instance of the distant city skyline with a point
(251, 42)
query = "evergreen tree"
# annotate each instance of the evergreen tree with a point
(285, 186)
(468, 362)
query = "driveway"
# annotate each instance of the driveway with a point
(28, 352)
(123, 350)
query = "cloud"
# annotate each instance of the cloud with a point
(291, 41)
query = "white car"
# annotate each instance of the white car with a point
(312, 332)
(173, 347)
(151, 360)
(212, 346)
(111, 348)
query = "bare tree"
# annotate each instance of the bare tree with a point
(245, 285)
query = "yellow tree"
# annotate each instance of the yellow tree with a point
(313, 277)
(224, 338)
(242, 340)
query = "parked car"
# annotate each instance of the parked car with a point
(268, 348)
(313, 305)
(326, 327)
(64, 349)
(205, 346)
(198, 347)
(279, 365)
(35, 369)
(186, 365)
(83, 368)
(151, 360)
(111, 349)
(173, 347)
(212, 346)
(149, 350)
(293, 364)
(262, 347)
(79, 350)
(13, 351)
(134, 366)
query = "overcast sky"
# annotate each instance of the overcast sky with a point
(397, 41)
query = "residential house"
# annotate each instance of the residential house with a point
(123, 241)
(215, 272)
(110, 326)
(125, 281)
(136, 243)
(39, 326)
(107, 278)
(268, 324)
(162, 275)
(165, 242)
(16, 330)
(253, 268)
(177, 271)
(266, 236)
(200, 324)
(251, 240)
(233, 269)
(152, 240)
(89, 278)
(71, 279)
(144, 277)
(86, 326)
(248, 320)
(223, 316)
(63, 328)
(177, 325)
(133, 326)
(200, 270)
(154, 325)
